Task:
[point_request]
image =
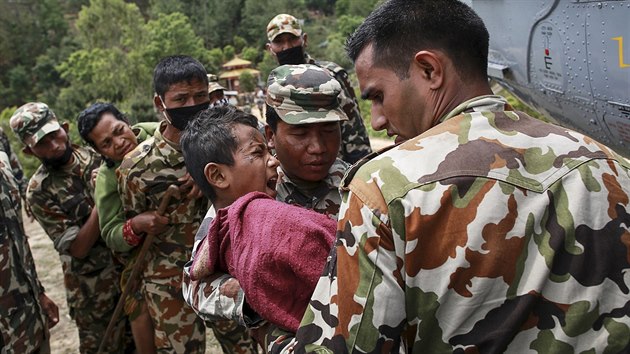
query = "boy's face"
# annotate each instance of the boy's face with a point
(254, 169)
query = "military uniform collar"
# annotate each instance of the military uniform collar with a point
(491, 103)
(332, 180)
(477, 104)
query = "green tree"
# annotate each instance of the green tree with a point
(251, 54)
(27, 30)
(247, 82)
(266, 65)
(229, 52)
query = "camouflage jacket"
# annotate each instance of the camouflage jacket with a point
(207, 296)
(143, 177)
(18, 173)
(22, 321)
(491, 232)
(61, 201)
(355, 142)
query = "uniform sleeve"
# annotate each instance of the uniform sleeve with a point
(131, 193)
(111, 216)
(362, 274)
(355, 142)
(61, 229)
(218, 296)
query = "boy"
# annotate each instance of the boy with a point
(256, 239)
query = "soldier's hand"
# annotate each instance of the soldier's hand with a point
(93, 176)
(189, 187)
(149, 222)
(50, 309)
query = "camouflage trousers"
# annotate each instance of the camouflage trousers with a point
(92, 326)
(177, 327)
(233, 337)
(22, 329)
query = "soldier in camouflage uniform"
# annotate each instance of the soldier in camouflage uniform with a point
(60, 194)
(16, 167)
(287, 43)
(486, 231)
(303, 114)
(26, 313)
(181, 88)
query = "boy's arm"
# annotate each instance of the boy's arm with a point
(218, 296)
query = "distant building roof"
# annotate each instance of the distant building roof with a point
(236, 73)
(236, 62)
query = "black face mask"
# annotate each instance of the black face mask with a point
(179, 117)
(61, 161)
(291, 56)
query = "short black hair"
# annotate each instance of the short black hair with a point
(400, 28)
(209, 137)
(271, 117)
(177, 68)
(89, 118)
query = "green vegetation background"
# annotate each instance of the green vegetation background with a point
(71, 53)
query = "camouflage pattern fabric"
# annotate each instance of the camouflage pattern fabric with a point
(23, 324)
(355, 143)
(220, 296)
(143, 178)
(304, 94)
(33, 121)
(324, 198)
(16, 167)
(283, 23)
(61, 200)
(491, 232)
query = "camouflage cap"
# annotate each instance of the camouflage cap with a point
(283, 23)
(33, 121)
(214, 86)
(304, 94)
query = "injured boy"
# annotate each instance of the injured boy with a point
(275, 250)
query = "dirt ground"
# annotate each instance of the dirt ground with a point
(64, 337)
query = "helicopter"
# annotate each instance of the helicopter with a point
(568, 59)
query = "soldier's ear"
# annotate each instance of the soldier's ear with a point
(270, 137)
(215, 175)
(304, 40)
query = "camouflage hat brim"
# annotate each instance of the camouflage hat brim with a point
(273, 34)
(50, 127)
(293, 117)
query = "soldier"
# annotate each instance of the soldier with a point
(108, 131)
(181, 90)
(287, 43)
(216, 92)
(486, 230)
(303, 116)
(26, 313)
(60, 194)
(16, 167)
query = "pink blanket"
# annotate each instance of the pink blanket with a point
(276, 251)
